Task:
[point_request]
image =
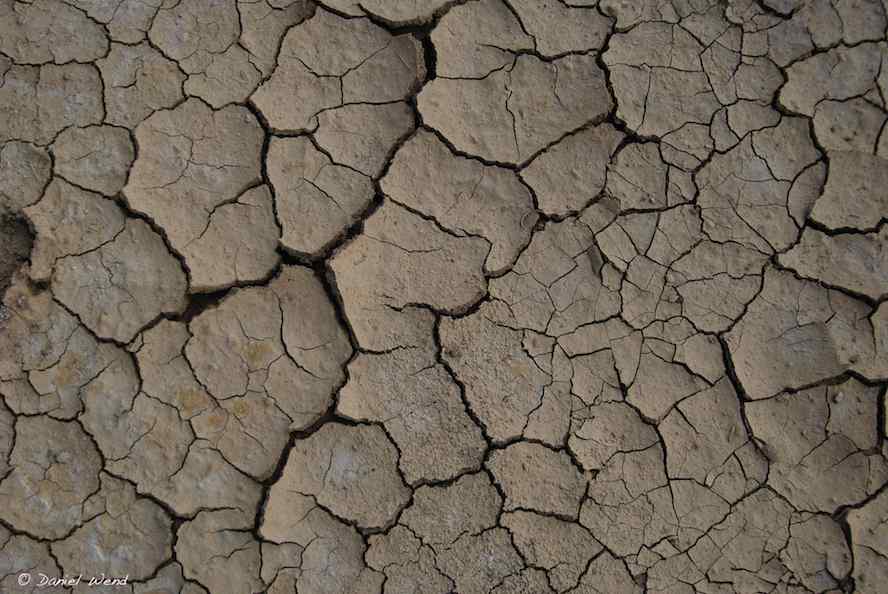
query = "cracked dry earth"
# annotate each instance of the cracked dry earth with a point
(436, 296)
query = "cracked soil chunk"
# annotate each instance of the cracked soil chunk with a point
(238, 245)
(796, 333)
(316, 200)
(473, 39)
(746, 549)
(817, 553)
(536, 478)
(69, 221)
(745, 197)
(820, 443)
(129, 282)
(228, 77)
(558, 28)
(854, 194)
(223, 486)
(127, 20)
(24, 173)
(409, 12)
(369, 65)
(856, 262)
(706, 441)
(440, 515)
(408, 565)
(36, 103)
(264, 23)
(563, 549)
(477, 564)
(139, 80)
(570, 175)
(148, 442)
(606, 429)
(868, 534)
(514, 113)
(851, 125)
(420, 406)
(503, 384)
(838, 74)
(296, 520)
(678, 92)
(217, 549)
(200, 36)
(97, 158)
(607, 574)
(34, 343)
(402, 259)
(191, 161)
(46, 31)
(361, 136)
(352, 471)
(130, 536)
(55, 469)
(270, 365)
(20, 553)
(637, 177)
(464, 196)
(559, 283)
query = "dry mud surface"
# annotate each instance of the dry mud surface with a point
(443, 296)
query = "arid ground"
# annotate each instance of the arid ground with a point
(444, 296)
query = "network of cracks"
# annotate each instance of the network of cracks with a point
(436, 296)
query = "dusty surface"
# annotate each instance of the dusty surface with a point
(444, 296)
